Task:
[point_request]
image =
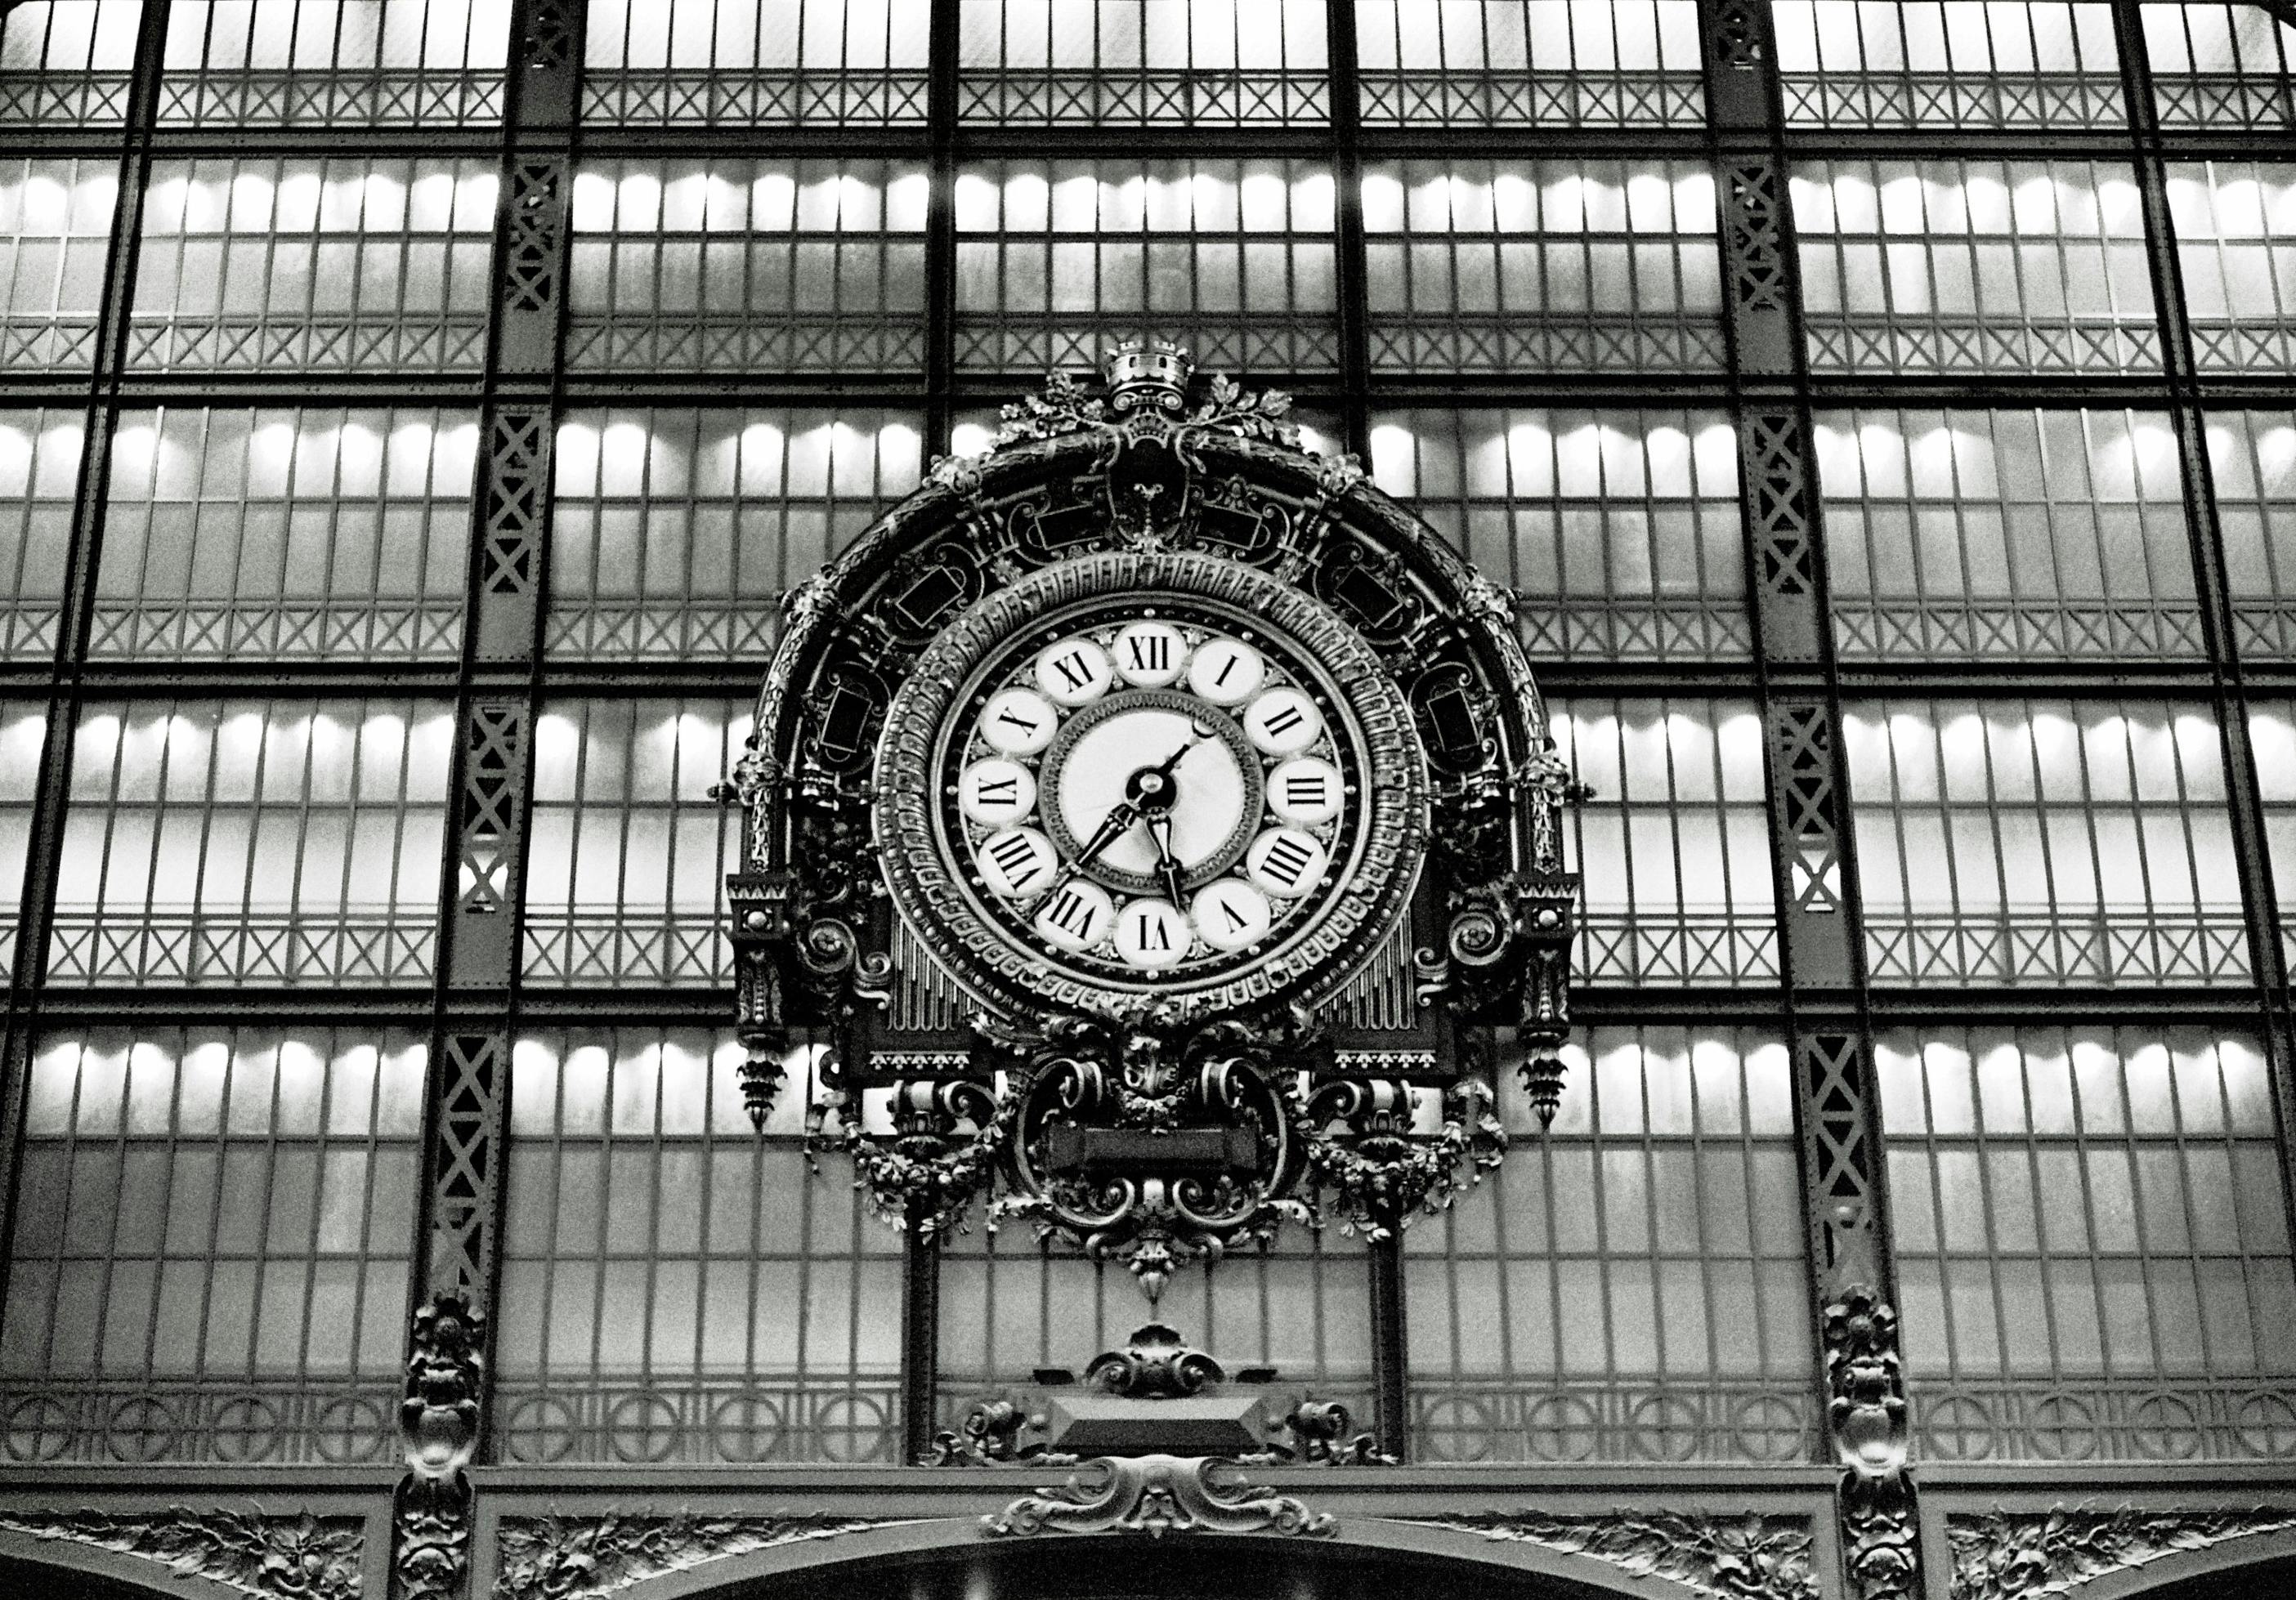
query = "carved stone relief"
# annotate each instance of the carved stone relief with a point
(296, 1556)
(1742, 1558)
(2010, 1554)
(582, 1558)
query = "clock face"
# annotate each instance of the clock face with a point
(1148, 789)
(1140, 774)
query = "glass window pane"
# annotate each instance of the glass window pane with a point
(1482, 63)
(1961, 534)
(1674, 843)
(2043, 842)
(2220, 66)
(675, 532)
(1117, 62)
(1517, 265)
(1057, 260)
(56, 230)
(1948, 63)
(341, 265)
(367, 63)
(2236, 225)
(761, 63)
(781, 265)
(1619, 531)
(1620, 1289)
(1970, 265)
(66, 63)
(305, 533)
(186, 1291)
(39, 471)
(676, 1287)
(2252, 459)
(628, 850)
(237, 842)
(2111, 1263)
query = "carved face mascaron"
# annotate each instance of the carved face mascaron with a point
(1151, 786)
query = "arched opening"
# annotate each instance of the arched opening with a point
(2257, 1580)
(1180, 1568)
(42, 1580)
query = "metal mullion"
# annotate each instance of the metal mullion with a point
(1980, 1157)
(372, 1146)
(1941, 1255)
(2182, 1148)
(2082, 1151)
(653, 1149)
(2031, 1150)
(319, 1193)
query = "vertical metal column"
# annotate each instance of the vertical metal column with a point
(1819, 925)
(2229, 686)
(43, 855)
(445, 1416)
(920, 1251)
(1390, 1336)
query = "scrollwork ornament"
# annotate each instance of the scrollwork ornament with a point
(1324, 1434)
(991, 1435)
(298, 1557)
(926, 1175)
(1153, 1075)
(2021, 1556)
(584, 1557)
(1157, 1495)
(1363, 1151)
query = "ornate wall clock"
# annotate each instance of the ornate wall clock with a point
(1156, 819)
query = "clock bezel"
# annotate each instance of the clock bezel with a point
(925, 871)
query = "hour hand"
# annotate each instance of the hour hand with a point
(1113, 827)
(1168, 870)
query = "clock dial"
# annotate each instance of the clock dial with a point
(1153, 792)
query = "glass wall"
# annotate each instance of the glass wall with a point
(412, 425)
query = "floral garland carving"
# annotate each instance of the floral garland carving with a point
(578, 1558)
(1752, 1557)
(299, 1557)
(1156, 1494)
(2031, 1553)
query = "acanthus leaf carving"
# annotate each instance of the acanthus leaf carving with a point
(1156, 1494)
(566, 1557)
(2021, 1556)
(1751, 1557)
(298, 1556)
